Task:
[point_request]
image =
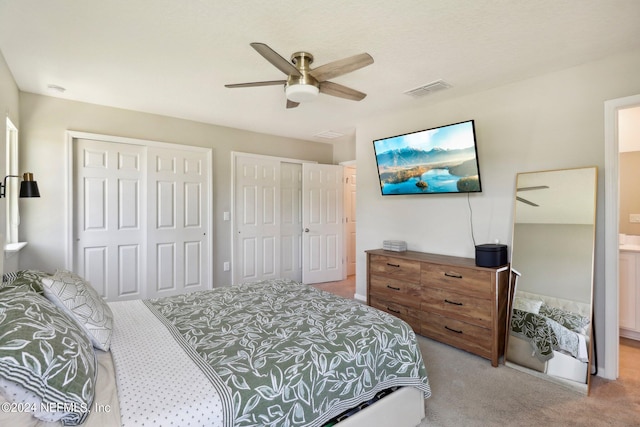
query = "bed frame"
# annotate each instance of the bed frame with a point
(402, 408)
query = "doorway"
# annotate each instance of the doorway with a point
(287, 220)
(612, 211)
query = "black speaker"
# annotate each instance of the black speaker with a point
(491, 255)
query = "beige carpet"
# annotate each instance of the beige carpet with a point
(468, 391)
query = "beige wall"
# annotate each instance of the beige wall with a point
(43, 122)
(551, 121)
(629, 177)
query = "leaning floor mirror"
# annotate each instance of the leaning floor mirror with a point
(550, 327)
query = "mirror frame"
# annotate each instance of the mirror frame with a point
(515, 274)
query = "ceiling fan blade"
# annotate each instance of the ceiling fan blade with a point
(291, 104)
(253, 84)
(538, 187)
(343, 66)
(520, 199)
(276, 60)
(335, 89)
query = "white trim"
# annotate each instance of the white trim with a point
(611, 340)
(361, 298)
(11, 248)
(349, 163)
(73, 135)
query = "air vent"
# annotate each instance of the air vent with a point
(428, 89)
(329, 134)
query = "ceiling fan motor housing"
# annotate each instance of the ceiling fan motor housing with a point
(303, 88)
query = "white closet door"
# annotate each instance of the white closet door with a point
(322, 213)
(256, 219)
(177, 222)
(109, 233)
(291, 220)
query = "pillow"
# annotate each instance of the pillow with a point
(79, 300)
(27, 280)
(526, 304)
(46, 361)
(570, 320)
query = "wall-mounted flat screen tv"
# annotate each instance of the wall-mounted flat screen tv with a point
(430, 161)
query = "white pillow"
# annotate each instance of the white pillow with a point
(80, 301)
(526, 304)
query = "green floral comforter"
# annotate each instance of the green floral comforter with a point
(544, 334)
(293, 355)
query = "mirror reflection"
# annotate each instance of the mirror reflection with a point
(552, 273)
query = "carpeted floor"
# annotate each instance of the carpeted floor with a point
(467, 391)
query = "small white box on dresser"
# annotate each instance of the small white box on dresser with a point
(394, 245)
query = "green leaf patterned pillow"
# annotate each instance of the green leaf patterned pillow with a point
(46, 361)
(80, 301)
(26, 280)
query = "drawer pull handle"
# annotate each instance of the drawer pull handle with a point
(453, 330)
(393, 311)
(454, 275)
(452, 302)
(393, 287)
(393, 265)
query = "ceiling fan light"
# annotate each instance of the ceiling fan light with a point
(302, 92)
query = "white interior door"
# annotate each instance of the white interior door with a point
(109, 244)
(141, 217)
(291, 220)
(177, 222)
(350, 219)
(256, 219)
(322, 218)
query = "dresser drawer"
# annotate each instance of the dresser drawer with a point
(409, 315)
(472, 338)
(458, 306)
(399, 291)
(475, 283)
(399, 268)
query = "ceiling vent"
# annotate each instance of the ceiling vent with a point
(329, 134)
(428, 89)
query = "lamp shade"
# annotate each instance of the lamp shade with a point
(29, 187)
(302, 92)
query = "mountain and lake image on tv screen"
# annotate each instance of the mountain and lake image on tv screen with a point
(438, 160)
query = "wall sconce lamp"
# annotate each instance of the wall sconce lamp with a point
(28, 187)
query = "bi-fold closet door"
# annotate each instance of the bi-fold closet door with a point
(141, 226)
(288, 220)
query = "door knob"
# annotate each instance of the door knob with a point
(306, 230)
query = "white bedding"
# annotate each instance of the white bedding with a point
(156, 378)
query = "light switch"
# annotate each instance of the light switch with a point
(226, 266)
(226, 216)
(634, 217)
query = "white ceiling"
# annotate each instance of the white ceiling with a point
(173, 57)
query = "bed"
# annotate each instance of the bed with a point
(550, 335)
(270, 353)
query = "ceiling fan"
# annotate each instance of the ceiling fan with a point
(303, 83)
(528, 202)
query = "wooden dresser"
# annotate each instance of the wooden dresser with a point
(445, 298)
